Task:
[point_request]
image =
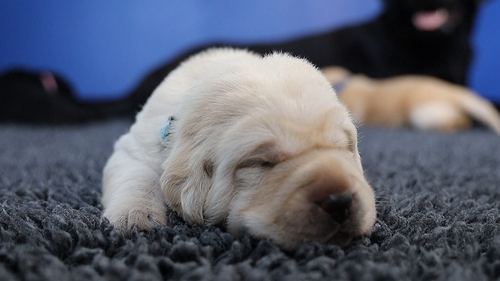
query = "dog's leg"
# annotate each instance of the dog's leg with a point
(439, 116)
(131, 193)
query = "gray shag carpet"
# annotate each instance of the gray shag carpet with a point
(437, 200)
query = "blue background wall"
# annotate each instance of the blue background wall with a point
(484, 76)
(105, 47)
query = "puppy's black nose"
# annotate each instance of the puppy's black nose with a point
(337, 205)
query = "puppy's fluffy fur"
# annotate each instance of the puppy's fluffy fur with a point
(412, 100)
(260, 144)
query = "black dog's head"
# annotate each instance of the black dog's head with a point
(438, 17)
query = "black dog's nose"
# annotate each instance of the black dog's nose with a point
(337, 205)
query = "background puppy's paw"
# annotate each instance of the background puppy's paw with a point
(142, 217)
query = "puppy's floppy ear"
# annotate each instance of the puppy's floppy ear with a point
(185, 182)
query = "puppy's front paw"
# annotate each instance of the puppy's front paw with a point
(142, 216)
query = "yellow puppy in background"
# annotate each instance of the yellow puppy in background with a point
(251, 143)
(420, 101)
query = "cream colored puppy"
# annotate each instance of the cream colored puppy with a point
(420, 101)
(251, 143)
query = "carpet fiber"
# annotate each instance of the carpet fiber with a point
(437, 200)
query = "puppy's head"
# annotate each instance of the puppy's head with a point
(303, 183)
(272, 152)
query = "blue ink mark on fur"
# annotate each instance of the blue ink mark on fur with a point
(164, 130)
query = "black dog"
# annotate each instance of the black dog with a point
(429, 37)
(33, 97)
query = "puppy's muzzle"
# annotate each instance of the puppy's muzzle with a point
(341, 204)
(319, 196)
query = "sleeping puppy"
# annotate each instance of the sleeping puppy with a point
(250, 143)
(420, 101)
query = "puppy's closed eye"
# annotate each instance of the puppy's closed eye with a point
(266, 156)
(250, 172)
(256, 163)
